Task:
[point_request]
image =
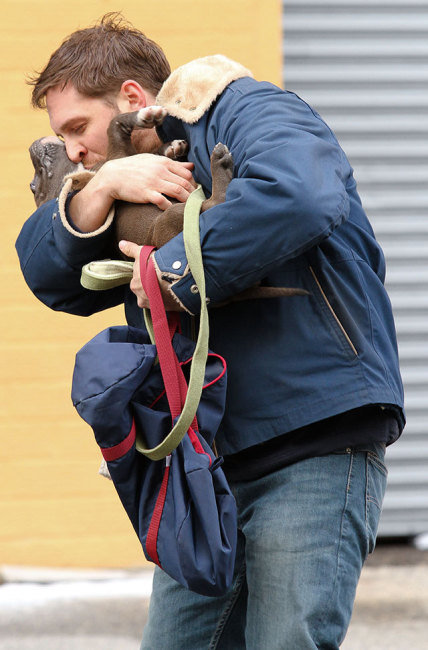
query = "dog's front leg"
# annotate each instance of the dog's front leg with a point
(121, 126)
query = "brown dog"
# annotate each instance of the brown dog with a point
(144, 224)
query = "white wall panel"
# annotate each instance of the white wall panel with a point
(364, 66)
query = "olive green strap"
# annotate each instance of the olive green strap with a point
(192, 247)
(106, 274)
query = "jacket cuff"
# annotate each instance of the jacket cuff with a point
(74, 245)
(73, 183)
(166, 282)
(171, 262)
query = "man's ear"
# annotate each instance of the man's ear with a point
(132, 97)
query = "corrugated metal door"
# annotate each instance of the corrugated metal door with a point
(364, 66)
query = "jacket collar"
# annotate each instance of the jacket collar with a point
(191, 89)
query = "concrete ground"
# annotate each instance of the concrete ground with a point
(79, 610)
(45, 610)
(391, 608)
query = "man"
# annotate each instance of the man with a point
(314, 389)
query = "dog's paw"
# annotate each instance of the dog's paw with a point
(222, 156)
(150, 116)
(176, 149)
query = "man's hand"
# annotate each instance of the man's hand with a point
(143, 178)
(133, 250)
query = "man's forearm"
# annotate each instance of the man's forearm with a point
(143, 178)
(89, 208)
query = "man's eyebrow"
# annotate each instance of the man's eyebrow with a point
(68, 124)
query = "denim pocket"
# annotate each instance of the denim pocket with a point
(376, 477)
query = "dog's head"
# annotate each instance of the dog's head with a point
(51, 164)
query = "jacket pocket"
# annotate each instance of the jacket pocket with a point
(336, 320)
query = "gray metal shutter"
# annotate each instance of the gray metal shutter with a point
(363, 65)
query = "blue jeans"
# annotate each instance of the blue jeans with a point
(304, 533)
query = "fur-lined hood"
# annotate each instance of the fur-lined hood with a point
(191, 89)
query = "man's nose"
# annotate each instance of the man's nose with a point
(75, 151)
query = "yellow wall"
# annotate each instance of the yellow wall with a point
(54, 508)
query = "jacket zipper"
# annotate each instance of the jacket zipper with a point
(333, 313)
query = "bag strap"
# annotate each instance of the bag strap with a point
(192, 247)
(162, 334)
(172, 373)
(106, 274)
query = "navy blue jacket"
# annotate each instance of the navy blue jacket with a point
(292, 217)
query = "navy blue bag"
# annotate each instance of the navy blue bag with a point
(169, 481)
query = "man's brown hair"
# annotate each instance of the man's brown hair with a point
(98, 59)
